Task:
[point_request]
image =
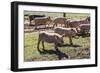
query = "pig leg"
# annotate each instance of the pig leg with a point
(30, 22)
(38, 45)
(55, 24)
(70, 40)
(43, 45)
(56, 48)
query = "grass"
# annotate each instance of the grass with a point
(80, 49)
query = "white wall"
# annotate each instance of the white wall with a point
(5, 17)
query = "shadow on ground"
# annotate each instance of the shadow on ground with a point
(60, 54)
(68, 45)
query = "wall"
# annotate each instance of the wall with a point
(5, 35)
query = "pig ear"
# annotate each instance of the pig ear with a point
(56, 38)
(48, 16)
(78, 29)
(63, 35)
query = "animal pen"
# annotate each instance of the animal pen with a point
(74, 47)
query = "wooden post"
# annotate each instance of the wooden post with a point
(64, 14)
